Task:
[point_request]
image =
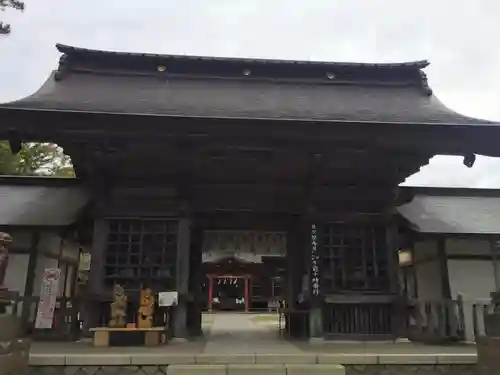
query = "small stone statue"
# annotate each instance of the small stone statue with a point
(118, 308)
(5, 242)
(146, 309)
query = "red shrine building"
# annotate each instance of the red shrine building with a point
(237, 182)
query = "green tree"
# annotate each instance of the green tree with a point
(8, 161)
(43, 159)
(4, 4)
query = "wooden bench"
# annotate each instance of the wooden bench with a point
(106, 336)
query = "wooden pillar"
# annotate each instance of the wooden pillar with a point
(294, 260)
(5, 243)
(210, 292)
(413, 266)
(494, 247)
(443, 266)
(196, 279)
(182, 275)
(488, 346)
(30, 276)
(291, 250)
(398, 306)
(94, 290)
(247, 294)
(392, 243)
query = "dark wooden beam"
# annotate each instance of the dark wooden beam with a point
(193, 155)
(245, 147)
(434, 138)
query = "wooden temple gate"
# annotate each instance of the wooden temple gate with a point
(173, 146)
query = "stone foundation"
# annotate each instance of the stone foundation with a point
(488, 350)
(412, 370)
(97, 370)
(164, 363)
(14, 351)
(349, 370)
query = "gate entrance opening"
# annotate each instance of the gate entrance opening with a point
(228, 293)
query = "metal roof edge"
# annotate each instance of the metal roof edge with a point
(439, 191)
(69, 50)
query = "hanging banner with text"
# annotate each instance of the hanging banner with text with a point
(314, 261)
(48, 298)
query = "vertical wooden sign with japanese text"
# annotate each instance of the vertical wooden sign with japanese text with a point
(315, 273)
(48, 298)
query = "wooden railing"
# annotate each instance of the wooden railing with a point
(387, 317)
(436, 322)
(362, 321)
(479, 311)
(65, 324)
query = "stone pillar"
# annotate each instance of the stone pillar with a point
(488, 347)
(182, 276)
(14, 350)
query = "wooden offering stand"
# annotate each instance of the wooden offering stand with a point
(119, 333)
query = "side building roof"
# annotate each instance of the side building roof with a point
(39, 201)
(192, 86)
(454, 211)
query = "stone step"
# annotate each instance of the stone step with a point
(253, 369)
(164, 358)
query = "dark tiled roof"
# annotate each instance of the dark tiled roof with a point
(111, 82)
(454, 214)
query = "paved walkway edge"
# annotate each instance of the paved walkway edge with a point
(163, 359)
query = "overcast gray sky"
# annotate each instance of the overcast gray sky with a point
(459, 37)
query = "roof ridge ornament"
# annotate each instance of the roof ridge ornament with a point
(425, 83)
(63, 68)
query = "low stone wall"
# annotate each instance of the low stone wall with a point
(206, 364)
(349, 370)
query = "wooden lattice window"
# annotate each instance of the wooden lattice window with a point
(141, 252)
(353, 257)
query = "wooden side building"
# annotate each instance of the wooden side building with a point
(171, 147)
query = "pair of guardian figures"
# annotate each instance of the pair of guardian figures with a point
(119, 309)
